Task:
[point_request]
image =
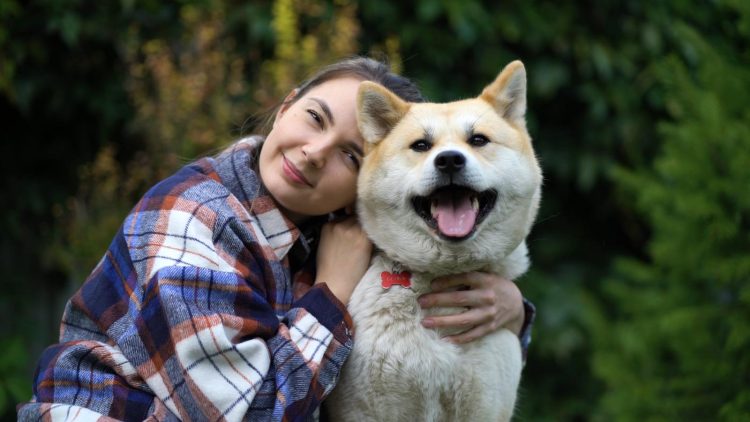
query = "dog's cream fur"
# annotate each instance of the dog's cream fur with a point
(399, 370)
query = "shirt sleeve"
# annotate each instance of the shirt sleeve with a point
(528, 322)
(210, 347)
(203, 345)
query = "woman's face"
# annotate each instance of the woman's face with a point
(310, 159)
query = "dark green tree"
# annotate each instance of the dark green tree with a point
(675, 344)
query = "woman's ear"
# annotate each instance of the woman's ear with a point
(288, 101)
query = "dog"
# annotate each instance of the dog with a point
(443, 189)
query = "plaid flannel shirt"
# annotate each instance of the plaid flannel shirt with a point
(191, 313)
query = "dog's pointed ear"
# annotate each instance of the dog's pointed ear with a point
(507, 93)
(378, 111)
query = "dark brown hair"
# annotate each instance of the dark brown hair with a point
(364, 68)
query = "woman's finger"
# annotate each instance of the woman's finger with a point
(458, 298)
(464, 320)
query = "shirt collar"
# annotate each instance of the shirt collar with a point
(237, 168)
(280, 232)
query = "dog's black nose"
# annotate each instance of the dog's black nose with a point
(450, 161)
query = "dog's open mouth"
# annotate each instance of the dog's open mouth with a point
(454, 211)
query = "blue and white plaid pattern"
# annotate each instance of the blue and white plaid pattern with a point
(190, 314)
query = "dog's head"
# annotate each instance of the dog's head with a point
(448, 186)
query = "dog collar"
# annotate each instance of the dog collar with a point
(390, 279)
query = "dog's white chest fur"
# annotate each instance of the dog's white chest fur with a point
(399, 370)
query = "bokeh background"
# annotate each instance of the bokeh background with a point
(638, 110)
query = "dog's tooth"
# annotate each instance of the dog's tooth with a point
(475, 202)
(433, 206)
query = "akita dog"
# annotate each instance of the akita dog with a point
(444, 189)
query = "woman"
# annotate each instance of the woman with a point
(193, 312)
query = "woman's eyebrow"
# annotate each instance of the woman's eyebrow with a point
(326, 109)
(354, 146)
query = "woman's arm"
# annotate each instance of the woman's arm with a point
(201, 311)
(343, 256)
(226, 353)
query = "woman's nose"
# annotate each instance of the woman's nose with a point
(316, 151)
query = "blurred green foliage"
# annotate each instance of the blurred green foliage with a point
(637, 111)
(676, 347)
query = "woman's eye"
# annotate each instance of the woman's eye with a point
(314, 114)
(420, 146)
(478, 140)
(352, 157)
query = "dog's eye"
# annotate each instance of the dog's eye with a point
(420, 146)
(478, 140)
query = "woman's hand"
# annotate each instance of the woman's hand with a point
(493, 302)
(343, 256)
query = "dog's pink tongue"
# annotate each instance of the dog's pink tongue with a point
(454, 214)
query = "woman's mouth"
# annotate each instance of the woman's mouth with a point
(291, 171)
